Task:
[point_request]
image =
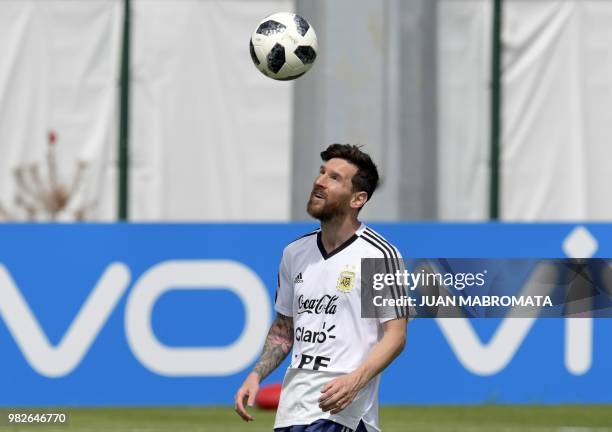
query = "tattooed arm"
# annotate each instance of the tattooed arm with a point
(278, 344)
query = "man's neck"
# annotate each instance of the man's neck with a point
(336, 231)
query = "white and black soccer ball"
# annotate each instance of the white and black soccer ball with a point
(283, 46)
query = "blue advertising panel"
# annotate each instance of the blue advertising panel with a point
(153, 314)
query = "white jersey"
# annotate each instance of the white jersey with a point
(322, 292)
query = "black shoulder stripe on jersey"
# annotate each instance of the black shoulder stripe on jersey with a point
(383, 240)
(277, 287)
(305, 235)
(387, 259)
(393, 257)
(388, 251)
(389, 267)
(392, 250)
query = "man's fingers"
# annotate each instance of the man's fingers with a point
(251, 400)
(241, 398)
(341, 404)
(327, 391)
(337, 409)
(331, 394)
(247, 416)
(327, 386)
(238, 399)
(243, 414)
(330, 402)
(324, 399)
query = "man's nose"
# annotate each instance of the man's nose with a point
(320, 180)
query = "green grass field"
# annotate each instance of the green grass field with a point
(497, 418)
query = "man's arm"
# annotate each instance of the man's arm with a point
(278, 345)
(340, 392)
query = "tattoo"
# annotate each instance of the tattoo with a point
(278, 344)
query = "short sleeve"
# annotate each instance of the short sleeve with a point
(394, 264)
(283, 303)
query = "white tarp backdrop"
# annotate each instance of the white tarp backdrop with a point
(558, 132)
(58, 72)
(557, 110)
(210, 135)
(464, 36)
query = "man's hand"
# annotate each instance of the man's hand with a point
(337, 394)
(278, 344)
(340, 392)
(246, 395)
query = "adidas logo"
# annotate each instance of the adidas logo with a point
(298, 278)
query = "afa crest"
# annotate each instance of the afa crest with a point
(346, 281)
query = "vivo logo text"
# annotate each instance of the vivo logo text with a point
(59, 360)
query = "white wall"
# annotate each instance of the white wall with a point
(59, 62)
(557, 108)
(210, 135)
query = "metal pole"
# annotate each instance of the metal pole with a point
(124, 111)
(496, 109)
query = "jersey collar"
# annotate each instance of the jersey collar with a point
(343, 246)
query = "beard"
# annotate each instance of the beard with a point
(325, 209)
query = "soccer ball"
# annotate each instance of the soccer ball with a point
(283, 46)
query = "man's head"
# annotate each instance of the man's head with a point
(347, 180)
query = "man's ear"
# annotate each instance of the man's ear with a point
(359, 199)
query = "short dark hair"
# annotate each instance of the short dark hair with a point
(366, 179)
